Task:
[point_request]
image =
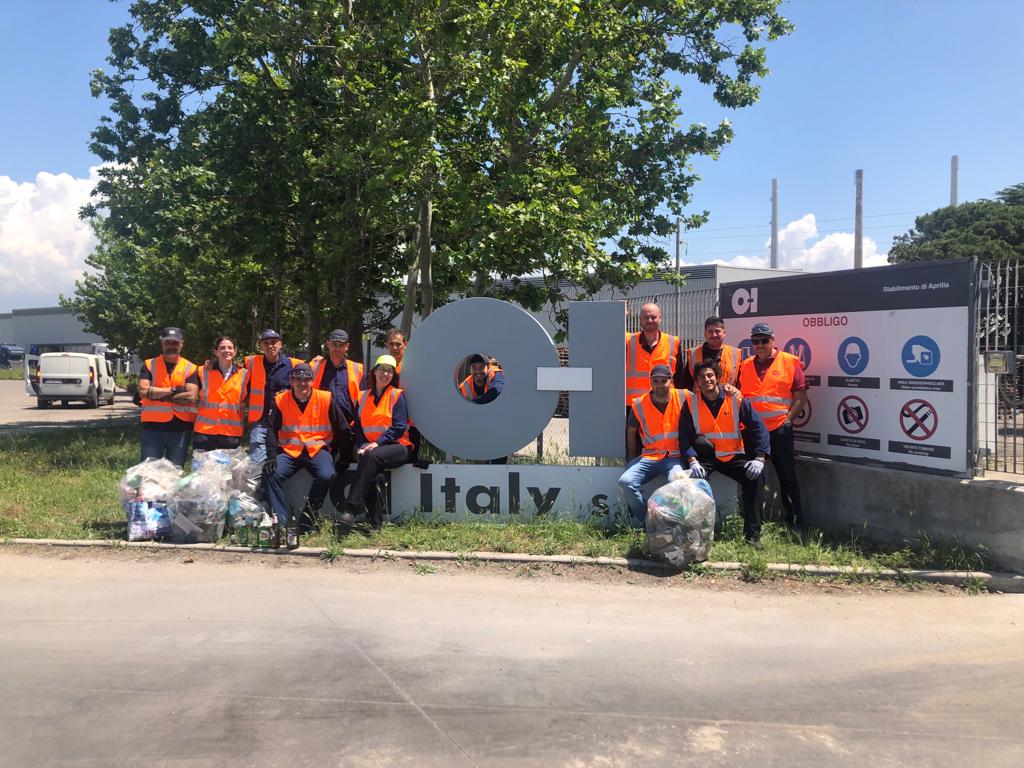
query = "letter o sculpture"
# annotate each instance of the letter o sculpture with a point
(456, 425)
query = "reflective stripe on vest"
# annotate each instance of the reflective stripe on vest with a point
(469, 391)
(723, 430)
(639, 363)
(354, 374)
(772, 396)
(729, 362)
(659, 431)
(308, 430)
(163, 410)
(258, 385)
(225, 414)
(376, 419)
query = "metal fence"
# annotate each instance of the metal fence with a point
(1000, 397)
(681, 315)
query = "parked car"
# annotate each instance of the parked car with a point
(10, 353)
(71, 376)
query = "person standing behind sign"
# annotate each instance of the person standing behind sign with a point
(715, 350)
(382, 432)
(395, 342)
(167, 393)
(647, 348)
(484, 382)
(223, 387)
(342, 377)
(269, 374)
(655, 416)
(774, 383)
(719, 431)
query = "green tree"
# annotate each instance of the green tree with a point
(317, 163)
(991, 230)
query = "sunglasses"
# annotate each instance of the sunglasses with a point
(761, 340)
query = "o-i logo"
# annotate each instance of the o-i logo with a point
(744, 301)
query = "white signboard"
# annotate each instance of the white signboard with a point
(886, 354)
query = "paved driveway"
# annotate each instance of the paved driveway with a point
(144, 660)
(18, 411)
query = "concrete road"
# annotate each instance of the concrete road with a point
(142, 660)
(18, 411)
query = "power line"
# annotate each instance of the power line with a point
(842, 218)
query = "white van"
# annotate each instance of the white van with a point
(68, 376)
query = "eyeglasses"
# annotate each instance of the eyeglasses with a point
(386, 371)
(761, 340)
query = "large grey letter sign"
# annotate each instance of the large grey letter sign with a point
(533, 378)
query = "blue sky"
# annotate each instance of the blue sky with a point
(894, 88)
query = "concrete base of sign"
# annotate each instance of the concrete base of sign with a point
(891, 508)
(502, 492)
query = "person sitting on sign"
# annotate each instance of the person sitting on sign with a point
(719, 431)
(774, 383)
(655, 416)
(483, 384)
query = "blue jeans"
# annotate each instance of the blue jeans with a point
(638, 472)
(257, 442)
(171, 444)
(320, 467)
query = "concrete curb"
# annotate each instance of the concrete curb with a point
(994, 581)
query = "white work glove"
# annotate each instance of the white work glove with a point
(754, 468)
(697, 472)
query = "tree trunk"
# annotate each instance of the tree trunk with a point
(426, 275)
(410, 297)
(314, 336)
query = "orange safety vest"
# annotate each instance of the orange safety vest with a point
(729, 362)
(639, 362)
(308, 430)
(376, 418)
(258, 385)
(165, 410)
(221, 408)
(771, 396)
(467, 389)
(722, 431)
(355, 377)
(659, 431)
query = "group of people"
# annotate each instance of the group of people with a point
(715, 411)
(312, 415)
(707, 407)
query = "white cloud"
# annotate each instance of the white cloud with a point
(43, 243)
(831, 252)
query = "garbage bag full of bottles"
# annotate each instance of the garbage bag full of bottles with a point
(681, 521)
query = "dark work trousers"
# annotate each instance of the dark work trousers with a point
(784, 460)
(752, 490)
(321, 469)
(371, 464)
(201, 442)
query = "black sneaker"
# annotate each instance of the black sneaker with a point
(755, 544)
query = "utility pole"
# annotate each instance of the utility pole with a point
(858, 227)
(679, 310)
(775, 224)
(954, 173)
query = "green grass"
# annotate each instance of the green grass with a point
(15, 373)
(63, 484)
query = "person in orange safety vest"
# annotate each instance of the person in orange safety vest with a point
(168, 385)
(223, 389)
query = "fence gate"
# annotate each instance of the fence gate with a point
(1000, 397)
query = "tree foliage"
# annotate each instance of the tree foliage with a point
(310, 164)
(991, 230)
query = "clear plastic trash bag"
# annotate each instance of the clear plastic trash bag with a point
(681, 521)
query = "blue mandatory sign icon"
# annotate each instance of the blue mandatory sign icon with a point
(853, 355)
(800, 348)
(920, 356)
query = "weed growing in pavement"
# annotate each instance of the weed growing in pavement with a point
(754, 566)
(423, 569)
(332, 551)
(974, 585)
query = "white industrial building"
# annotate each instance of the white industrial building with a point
(46, 329)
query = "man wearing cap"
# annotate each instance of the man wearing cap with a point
(303, 426)
(774, 383)
(269, 374)
(715, 350)
(484, 382)
(168, 386)
(342, 377)
(719, 431)
(655, 417)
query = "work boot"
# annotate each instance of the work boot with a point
(755, 544)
